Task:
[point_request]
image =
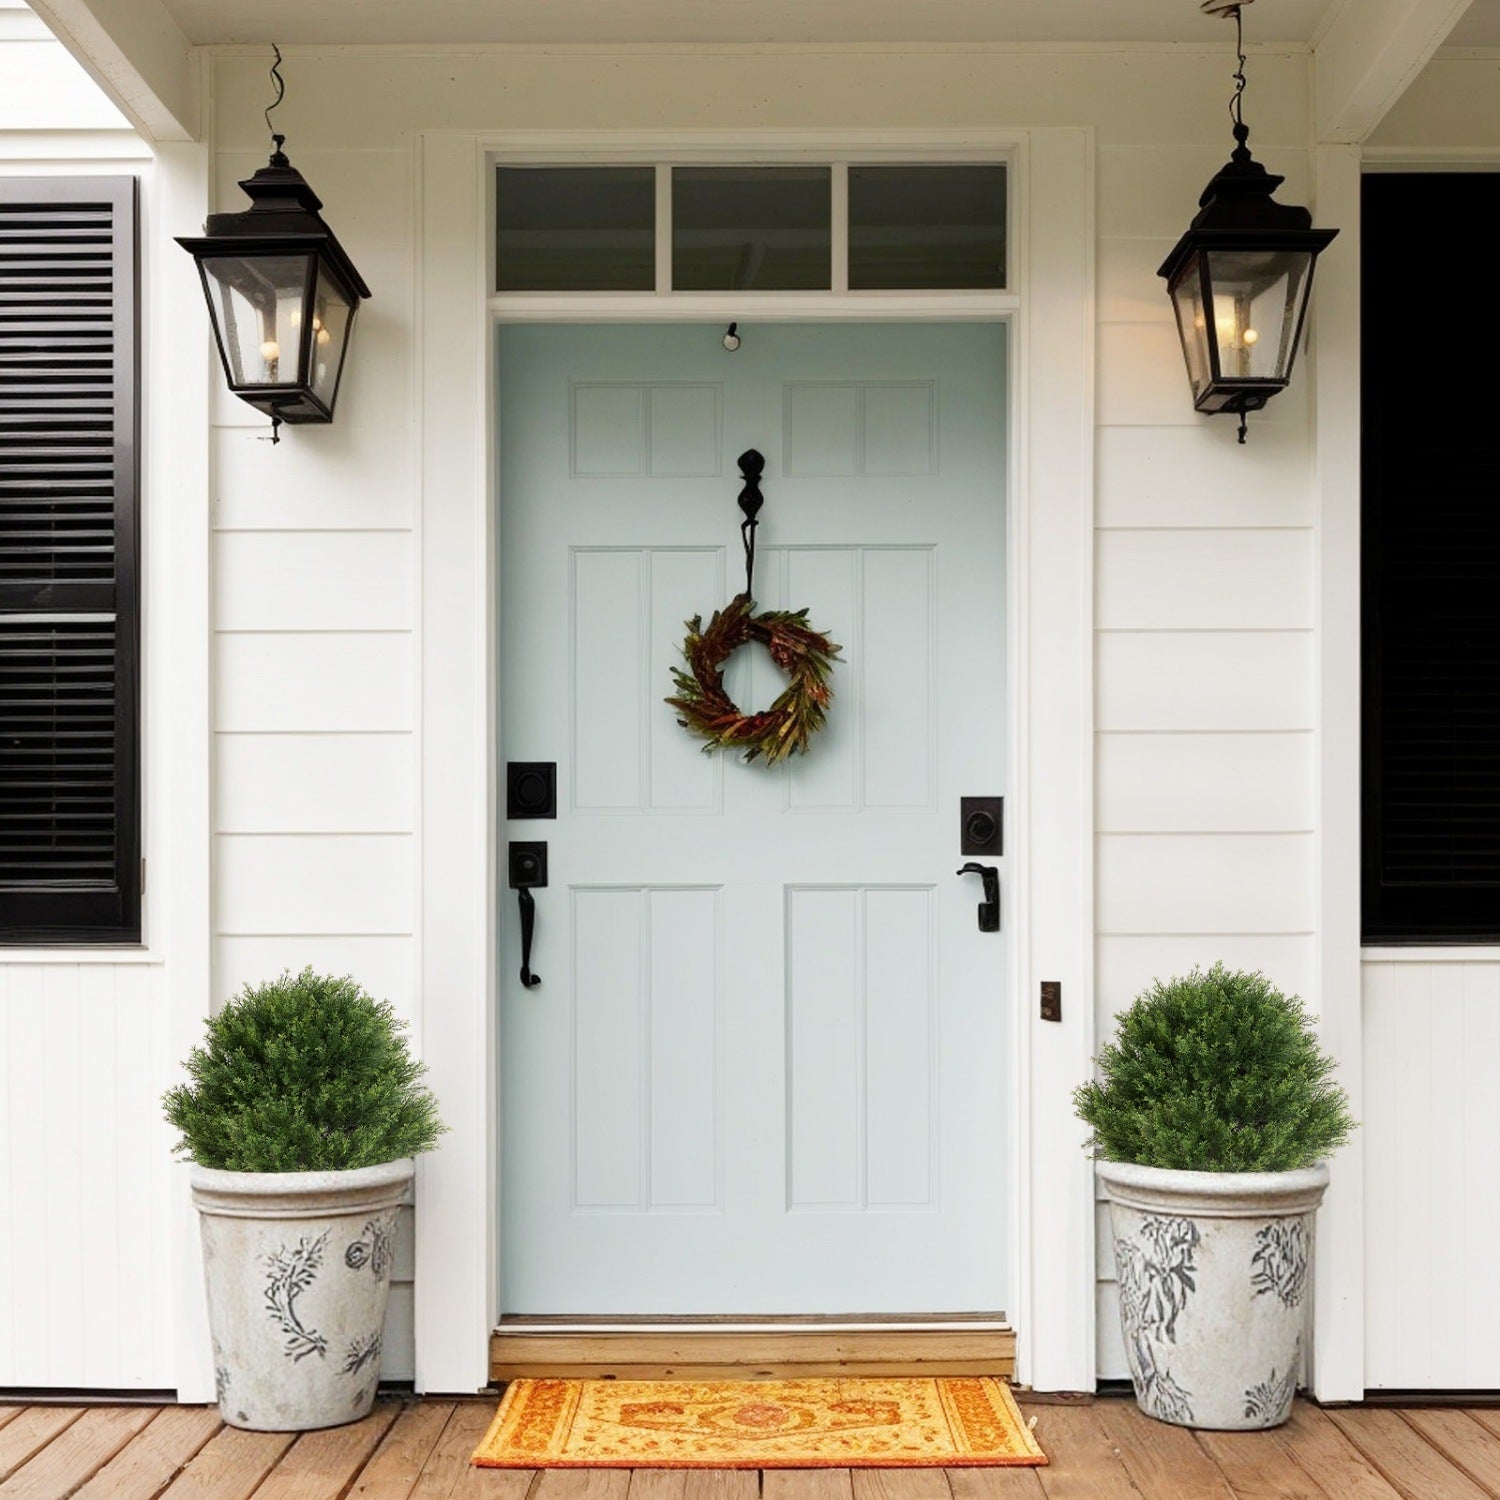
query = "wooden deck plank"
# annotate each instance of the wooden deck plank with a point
(448, 1474)
(1488, 1417)
(1406, 1460)
(721, 1484)
(230, 1466)
(77, 1453)
(1164, 1461)
(806, 1484)
(1317, 1445)
(1462, 1441)
(393, 1472)
(1085, 1462)
(582, 1484)
(1259, 1468)
(322, 1465)
(992, 1484)
(30, 1431)
(148, 1463)
(10, 1413)
(905, 1484)
(658, 1484)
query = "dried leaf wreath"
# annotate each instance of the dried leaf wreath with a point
(804, 654)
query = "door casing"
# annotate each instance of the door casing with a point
(1050, 712)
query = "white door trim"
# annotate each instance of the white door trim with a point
(1050, 904)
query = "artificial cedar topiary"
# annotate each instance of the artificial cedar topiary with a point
(1215, 1072)
(304, 1074)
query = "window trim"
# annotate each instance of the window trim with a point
(40, 915)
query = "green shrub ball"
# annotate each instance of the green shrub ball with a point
(1215, 1072)
(304, 1074)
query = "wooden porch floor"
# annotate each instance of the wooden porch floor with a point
(419, 1450)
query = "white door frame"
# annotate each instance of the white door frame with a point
(1050, 521)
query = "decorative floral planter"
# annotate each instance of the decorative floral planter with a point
(1213, 1272)
(298, 1270)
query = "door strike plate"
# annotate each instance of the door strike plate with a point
(982, 826)
(1052, 999)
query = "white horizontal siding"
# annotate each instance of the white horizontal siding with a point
(1204, 659)
(315, 565)
(1432, 1174)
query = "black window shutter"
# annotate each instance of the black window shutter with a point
(1431, 575)
(69, 611)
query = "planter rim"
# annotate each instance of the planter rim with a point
(300, 1195)
(1226, 1195)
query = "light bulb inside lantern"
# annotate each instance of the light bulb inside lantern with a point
(296, 317)
(324, 336)
(1249, 336)
(270, 350)
(317, 324)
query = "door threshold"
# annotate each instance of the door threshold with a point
(750, 1348)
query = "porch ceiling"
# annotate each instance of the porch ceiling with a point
(730, 21)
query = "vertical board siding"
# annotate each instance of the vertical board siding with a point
(84, 1173)
(315, 755)
(1432, 1174)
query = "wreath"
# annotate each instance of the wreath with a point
(804, 654)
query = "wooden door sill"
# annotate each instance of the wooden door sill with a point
(750, 1348)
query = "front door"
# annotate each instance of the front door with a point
(765, 1070)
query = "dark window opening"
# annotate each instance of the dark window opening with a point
(1431, 583)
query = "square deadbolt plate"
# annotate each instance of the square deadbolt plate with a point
(531, 789)
(982, 826)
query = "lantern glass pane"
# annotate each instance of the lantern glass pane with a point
(257, 303)
(1258, 297)
(330, 315)
(1192, 325)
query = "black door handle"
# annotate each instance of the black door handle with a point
(528, 870)
(528, 923)
(989, 908)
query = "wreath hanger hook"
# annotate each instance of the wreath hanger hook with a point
(752, 465)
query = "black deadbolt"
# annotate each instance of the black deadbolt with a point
(982, 826)
(531, 789)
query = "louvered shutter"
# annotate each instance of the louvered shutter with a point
(1431, 570)
(69, 795)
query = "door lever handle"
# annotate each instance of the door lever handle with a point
(528, 870)
(989, 908)
(528, 924)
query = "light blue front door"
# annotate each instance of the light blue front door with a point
(765, 1069)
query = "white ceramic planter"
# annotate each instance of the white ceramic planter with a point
(1214, 1272)
(298, 1269)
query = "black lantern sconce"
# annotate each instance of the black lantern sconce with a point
(282, 293)
(1239, 278)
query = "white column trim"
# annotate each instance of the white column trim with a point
(1338, 1319)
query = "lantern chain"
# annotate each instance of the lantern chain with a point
(278, 157)
(1237, 101)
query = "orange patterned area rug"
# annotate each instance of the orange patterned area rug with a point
(757, 1424)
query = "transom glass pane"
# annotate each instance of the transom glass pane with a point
(751, 229)
(919, 226)
(260, 314)
(575, 229)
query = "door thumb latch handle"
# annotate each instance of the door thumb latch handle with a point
(528, 925)
(989, 908)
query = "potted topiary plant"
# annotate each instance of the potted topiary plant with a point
(302, 1114)
(1212, 1116)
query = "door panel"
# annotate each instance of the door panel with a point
(765, 1071)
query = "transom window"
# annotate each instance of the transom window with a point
(867, 226)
